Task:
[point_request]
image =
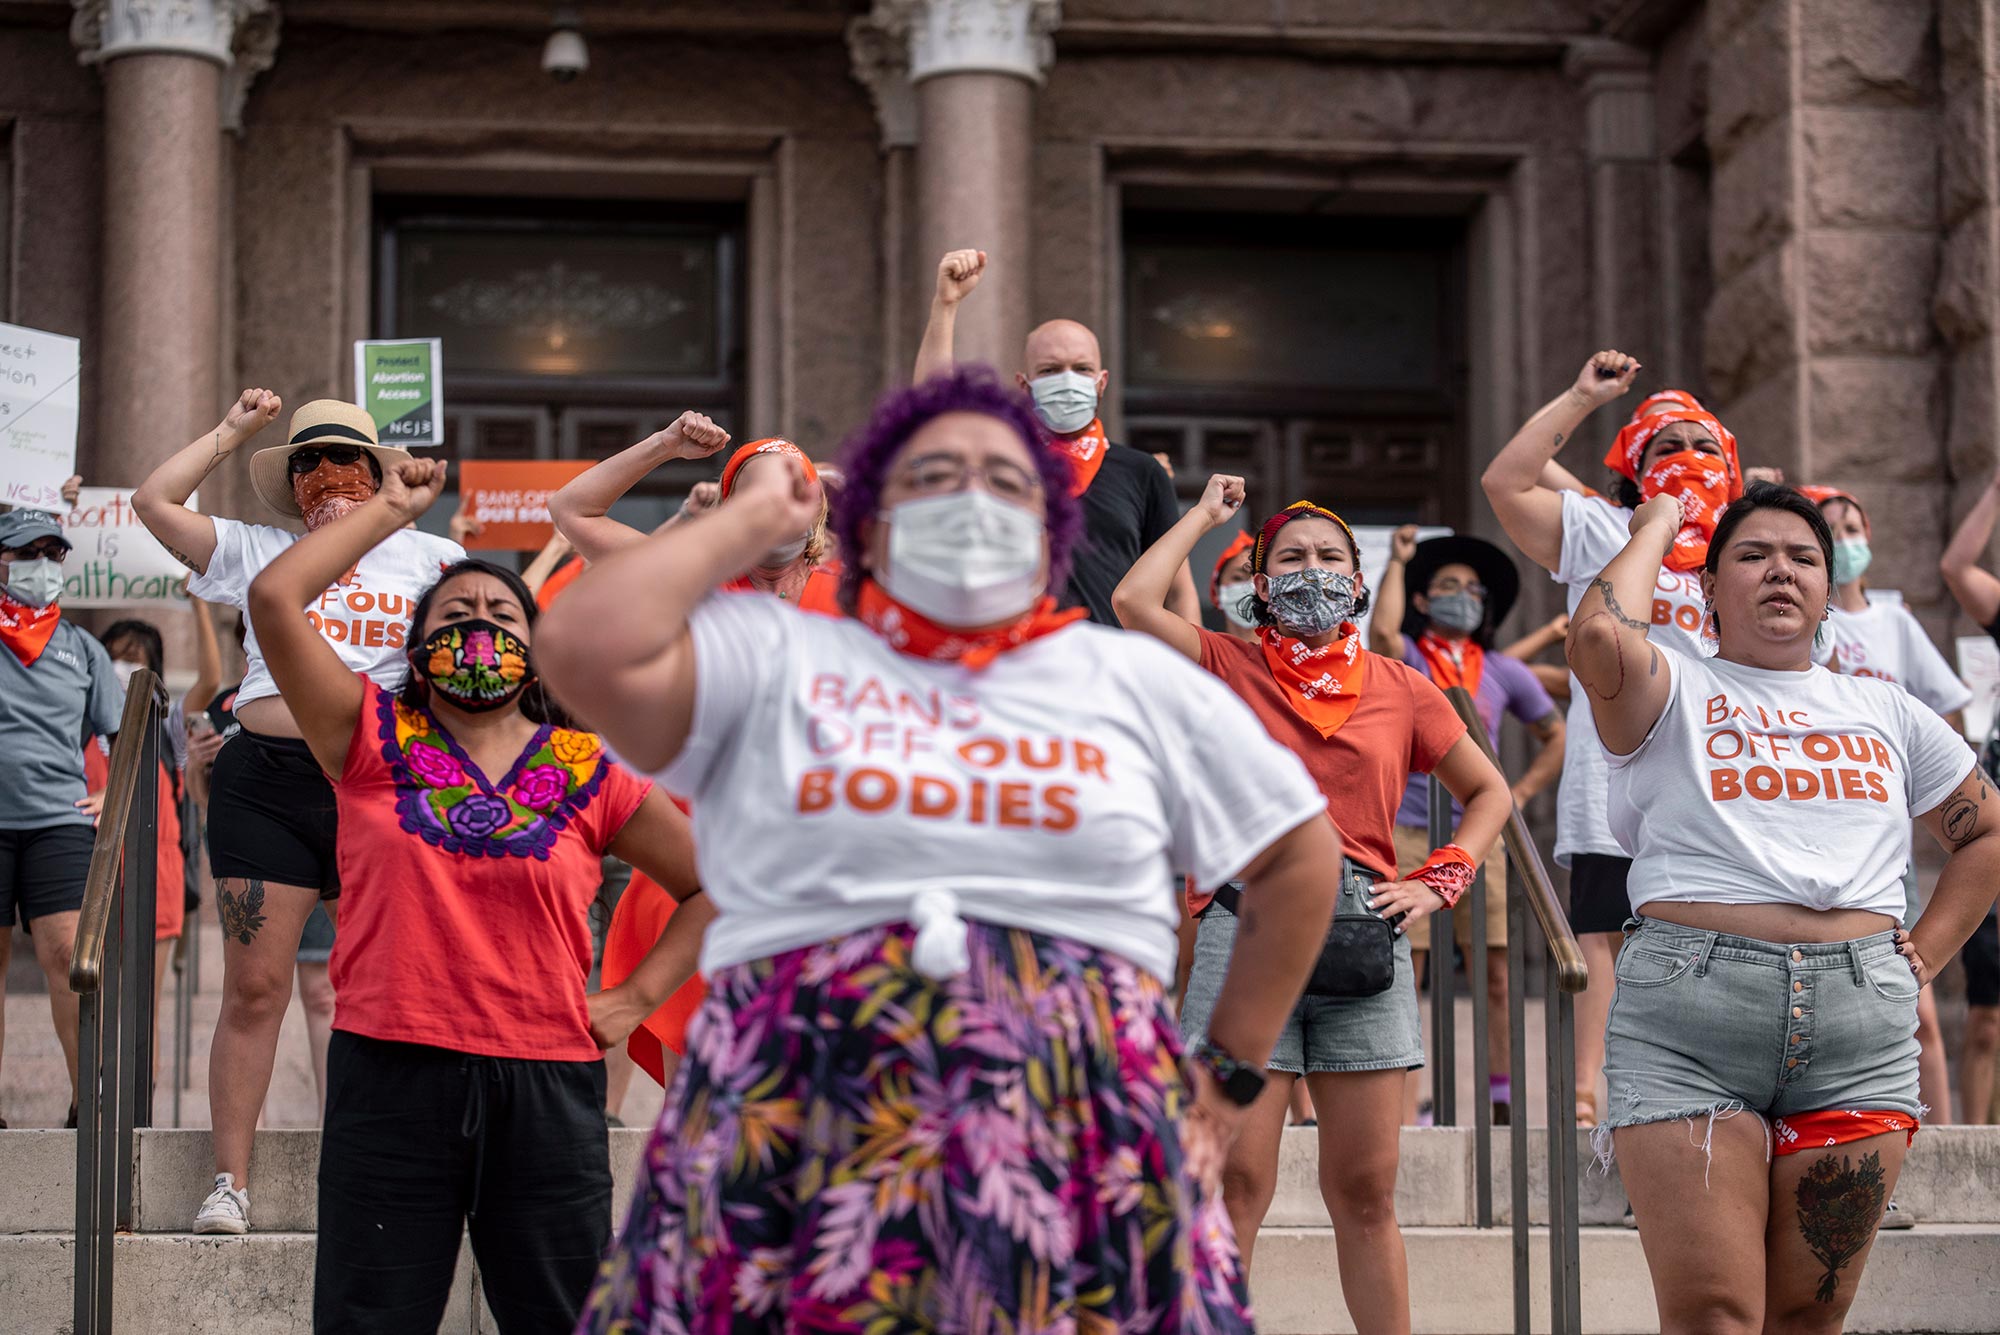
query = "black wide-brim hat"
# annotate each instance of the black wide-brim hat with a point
(1495, 570)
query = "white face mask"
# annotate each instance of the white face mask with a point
(779, 557)
(125, 672)
(37, 582)
(964, 559)
(1066, 401)
(1229, 597)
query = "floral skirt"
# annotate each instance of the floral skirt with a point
(851, 1146)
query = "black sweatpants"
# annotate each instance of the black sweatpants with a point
(421, 1143)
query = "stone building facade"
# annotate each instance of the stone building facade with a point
(1339, 245)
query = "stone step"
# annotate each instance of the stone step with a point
(1950, 1177)
(1933, 1278)
(1936, 1278)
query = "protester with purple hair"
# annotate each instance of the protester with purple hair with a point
(937, 1082)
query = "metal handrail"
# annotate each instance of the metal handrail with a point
(115, 1004)
(1570, 975)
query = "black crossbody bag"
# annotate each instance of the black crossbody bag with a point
(1358, 958)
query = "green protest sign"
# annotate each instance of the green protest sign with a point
(400, 383)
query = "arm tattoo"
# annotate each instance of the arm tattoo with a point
(1653, 668)
(1960, 815)
(183, 558)
(1605, 685)
(1603, 586)
(242, 914)
(1839, 1206)
(1559, 440)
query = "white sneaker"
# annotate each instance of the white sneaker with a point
(226, 1210)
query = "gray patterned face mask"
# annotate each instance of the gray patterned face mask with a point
(1460, 611)
(1306, 603)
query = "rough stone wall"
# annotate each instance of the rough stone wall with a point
(1823, 124)
(1967, 305)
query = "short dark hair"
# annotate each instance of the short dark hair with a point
(535, 701)
(1769, 496)
(146, 635)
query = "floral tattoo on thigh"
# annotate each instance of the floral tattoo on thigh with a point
(1839, 1206)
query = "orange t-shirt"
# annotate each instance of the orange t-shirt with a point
(464, 904)
(637, 924)
(1401, 726)
(564, 576)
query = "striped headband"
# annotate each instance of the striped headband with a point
(1296, 510)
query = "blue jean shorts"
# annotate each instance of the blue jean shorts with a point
(1378, 1033)
(1704, 1023)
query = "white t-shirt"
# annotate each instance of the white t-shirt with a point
(364, 615)
(1595, 531)
(1060, 790)
(1762, 787)
(1885, 641)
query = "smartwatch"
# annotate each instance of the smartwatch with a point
(1239, 1083)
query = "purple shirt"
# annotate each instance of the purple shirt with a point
(1505, 685)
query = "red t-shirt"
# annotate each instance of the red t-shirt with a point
(1401, 726)
(170, 868)
(464, 905)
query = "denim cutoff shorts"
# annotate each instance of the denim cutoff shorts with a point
(1704, 1023)
(1378, 1033)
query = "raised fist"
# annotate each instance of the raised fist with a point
(694, 436)
(1606, 376)
(253, 410)
(1403, 544)
(958, 274)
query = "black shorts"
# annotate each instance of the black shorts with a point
(1598, 901)
(271, 814)
(1982, 963)
(42, 871)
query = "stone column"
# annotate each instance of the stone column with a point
(1968, 303)
(171, 78)
(975, 65)
(881, 64)
(1621, 147)
(1820, 342)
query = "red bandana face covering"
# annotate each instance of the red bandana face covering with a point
(1086, 450)
(332, 490)
(1702, 484)
(26, 630)
(916, 635)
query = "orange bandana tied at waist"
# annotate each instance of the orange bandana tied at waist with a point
(1453, 662)
(1086, 451)
(1322, 685)
(913, 634)
(26, 630)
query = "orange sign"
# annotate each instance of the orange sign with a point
(510, 500)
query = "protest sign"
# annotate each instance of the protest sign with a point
(400, 384)
(114, 561)
(38, 407)
(1979, 668)
(510, 500)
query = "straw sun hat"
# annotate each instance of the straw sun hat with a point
(322, 422)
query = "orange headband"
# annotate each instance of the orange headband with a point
(1237, 546)
(1630, 447)
(1296, 510)
(1821, 495)
(769, 445)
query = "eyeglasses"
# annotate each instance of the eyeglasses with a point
(1453, 586)
(43, 549)
(937, 474)
(308, 457)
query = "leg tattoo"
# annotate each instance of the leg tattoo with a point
(242, 914)
(1839, 1206)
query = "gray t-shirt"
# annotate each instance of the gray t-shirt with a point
(47, 711)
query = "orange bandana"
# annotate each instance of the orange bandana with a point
(1453, 663)
(1700, 483)
(908, 632)
(821, 592)
(1237, 546)
(1086, 451)
(769, 445)
(1630, 447)
(1819, 496)
(350, 485)
(26, 630)
(1322, 685)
